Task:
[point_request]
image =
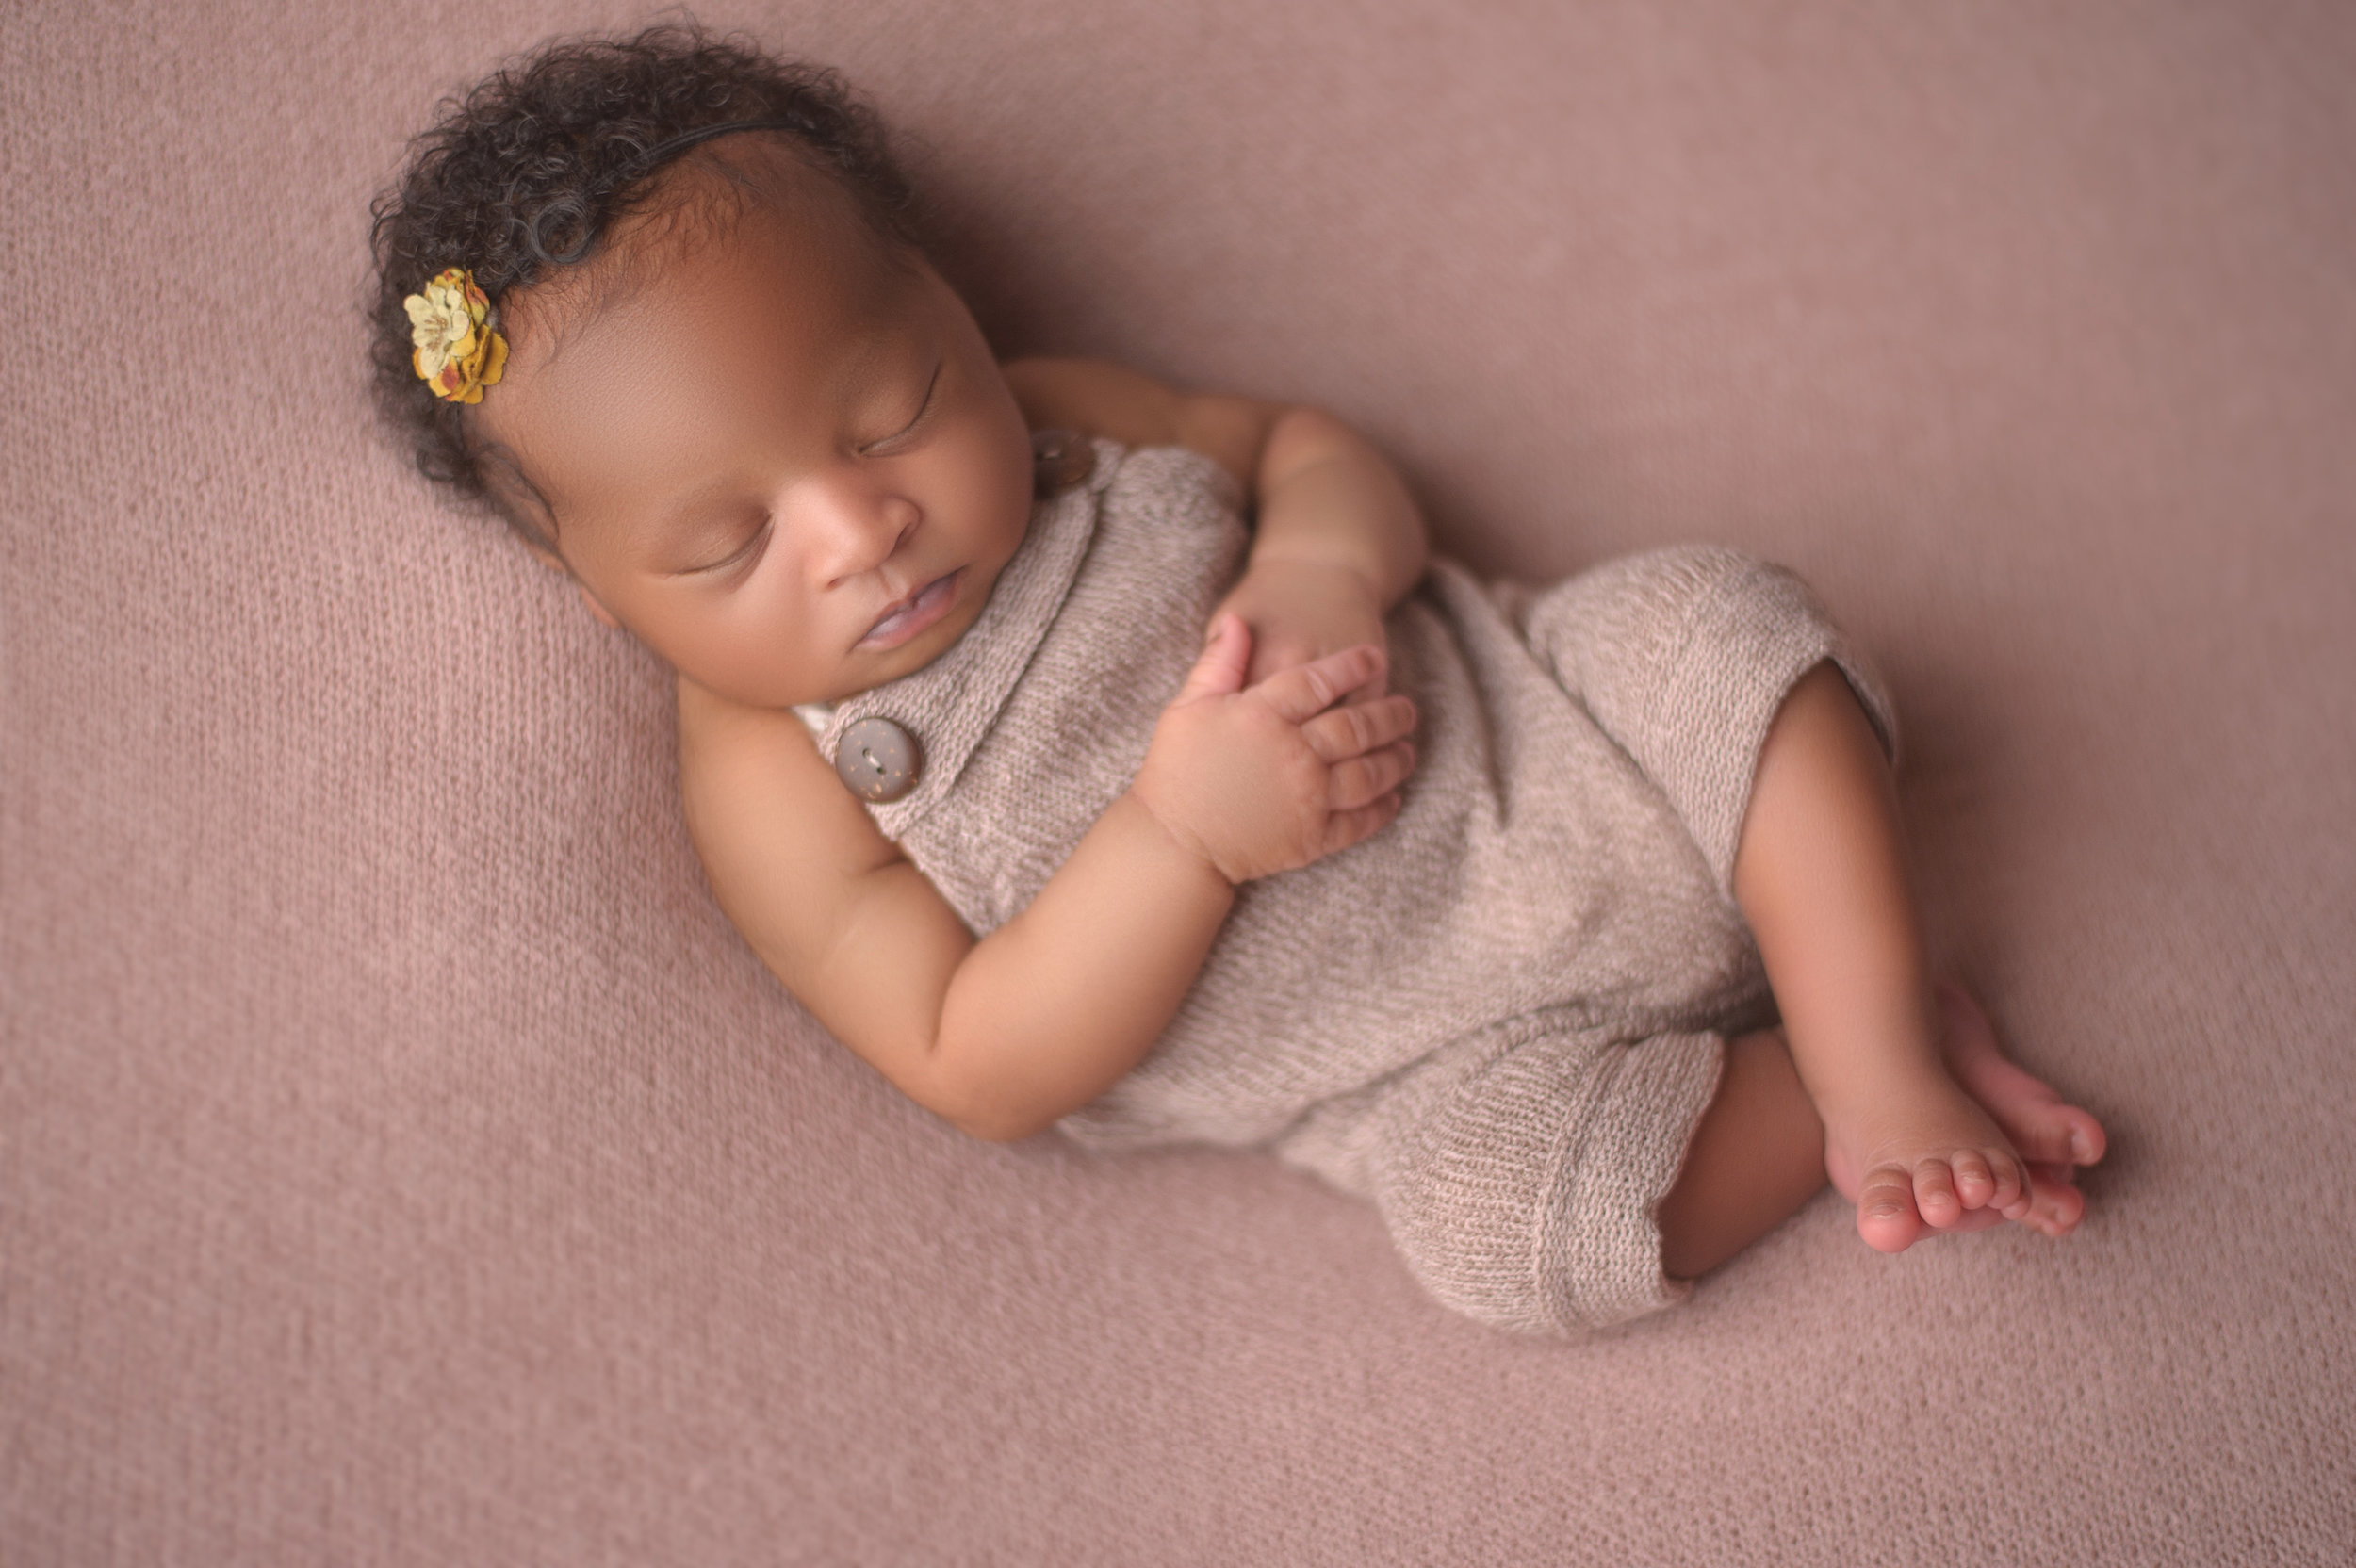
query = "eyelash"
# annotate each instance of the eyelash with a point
(931, 388)
(743, 554)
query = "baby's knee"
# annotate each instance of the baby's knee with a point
(1666, 586)
(1520, 1187)
(1626, 636)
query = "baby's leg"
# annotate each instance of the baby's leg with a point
(1758, 1154)
(1820, 874)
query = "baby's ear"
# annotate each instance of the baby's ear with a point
(600, 610)
(595, 608)
(555, 563)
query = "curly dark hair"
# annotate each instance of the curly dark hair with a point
(520, 176)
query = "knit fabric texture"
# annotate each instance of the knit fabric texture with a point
(1500, 1016)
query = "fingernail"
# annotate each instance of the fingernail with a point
(2081, 1148)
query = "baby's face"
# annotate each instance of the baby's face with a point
(790, 468)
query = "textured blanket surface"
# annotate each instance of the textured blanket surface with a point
(402, 1161)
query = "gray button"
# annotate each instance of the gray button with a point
(878, 760)
(1059, 460)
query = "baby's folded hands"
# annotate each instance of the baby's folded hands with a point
(1265, 778)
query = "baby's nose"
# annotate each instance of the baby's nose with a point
(853, 528)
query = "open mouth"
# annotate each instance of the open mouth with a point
(905, 620)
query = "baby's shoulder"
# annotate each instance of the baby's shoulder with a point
(827, 904)
(764, 806)
(1098, 398)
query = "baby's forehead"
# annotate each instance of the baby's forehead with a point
(738, 193)
(685, 327)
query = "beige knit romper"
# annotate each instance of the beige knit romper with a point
(1499, 1017)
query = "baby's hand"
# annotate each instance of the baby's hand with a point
(1263, 779)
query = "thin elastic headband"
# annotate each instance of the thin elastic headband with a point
(638, 168)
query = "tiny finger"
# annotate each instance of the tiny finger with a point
(1302, 693)
(1343, 829)
(1220, 667)
(1358, 727)
(1362, 779)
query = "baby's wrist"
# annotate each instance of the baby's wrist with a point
(1276, 560)
(1170, 840)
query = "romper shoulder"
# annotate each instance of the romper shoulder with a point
(783, 844)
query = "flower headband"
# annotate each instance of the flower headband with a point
(459, 350)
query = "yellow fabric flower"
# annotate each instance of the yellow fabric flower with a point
(458, 354)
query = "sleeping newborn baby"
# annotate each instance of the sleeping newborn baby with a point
(1088, 755)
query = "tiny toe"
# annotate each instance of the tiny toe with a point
(1975, 1185)
(2087, 1140)
(1935, 1194)
(2013, 1191)
(2057, 1205)
(2039, 1131)
(1886, 1214)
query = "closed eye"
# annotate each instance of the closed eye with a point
(741, 555)
(931, 388)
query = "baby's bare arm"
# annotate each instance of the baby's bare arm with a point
(1328, 499)
(1003, 1036)
(871, 949)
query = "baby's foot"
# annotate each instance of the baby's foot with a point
(1924, 1157)
(1947, 1155)
(2052, 1136)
